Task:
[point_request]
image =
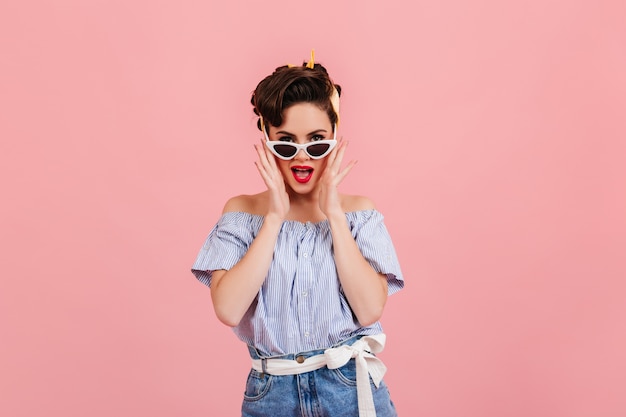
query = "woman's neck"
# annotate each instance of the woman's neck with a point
(305, 207)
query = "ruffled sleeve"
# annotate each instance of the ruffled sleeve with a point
(226, 244)
(372, 238)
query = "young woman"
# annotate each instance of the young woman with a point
(300, 271)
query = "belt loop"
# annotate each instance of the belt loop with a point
(264, 365)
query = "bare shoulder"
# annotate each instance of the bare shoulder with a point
(356, 203)
(252, 204)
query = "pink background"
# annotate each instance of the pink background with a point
(490, 134)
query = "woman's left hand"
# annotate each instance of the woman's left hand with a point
(329, 201)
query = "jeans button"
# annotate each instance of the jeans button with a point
(299, 358)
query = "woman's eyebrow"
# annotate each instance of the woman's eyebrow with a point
(284, 132)
(318, 131)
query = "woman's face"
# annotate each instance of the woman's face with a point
(303, 123)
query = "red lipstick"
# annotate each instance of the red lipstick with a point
(302, 173)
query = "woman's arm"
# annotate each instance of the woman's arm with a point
(234, 290)
(365, 289)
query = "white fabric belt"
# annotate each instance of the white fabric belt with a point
(333, 358)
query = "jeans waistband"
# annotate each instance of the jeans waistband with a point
(255, 354)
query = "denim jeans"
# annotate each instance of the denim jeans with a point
(320, 393)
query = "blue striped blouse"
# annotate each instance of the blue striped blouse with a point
(301, 305)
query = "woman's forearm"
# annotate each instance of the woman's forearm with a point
(234, 290)
(365, 289)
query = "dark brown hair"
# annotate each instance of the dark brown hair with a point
(287, 86)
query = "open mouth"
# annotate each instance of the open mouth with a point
(302, 174)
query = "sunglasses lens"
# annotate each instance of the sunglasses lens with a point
(318, 149)
(285, 150)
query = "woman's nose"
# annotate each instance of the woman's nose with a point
(301, 155)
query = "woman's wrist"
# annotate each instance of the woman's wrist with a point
(273, 219)
(337, 219)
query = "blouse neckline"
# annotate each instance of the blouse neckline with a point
(256, 220)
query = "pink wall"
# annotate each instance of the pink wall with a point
(490, 134)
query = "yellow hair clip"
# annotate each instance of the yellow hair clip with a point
(334, 101)
(309, 64)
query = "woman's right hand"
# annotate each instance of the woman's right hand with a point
(278, 197)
